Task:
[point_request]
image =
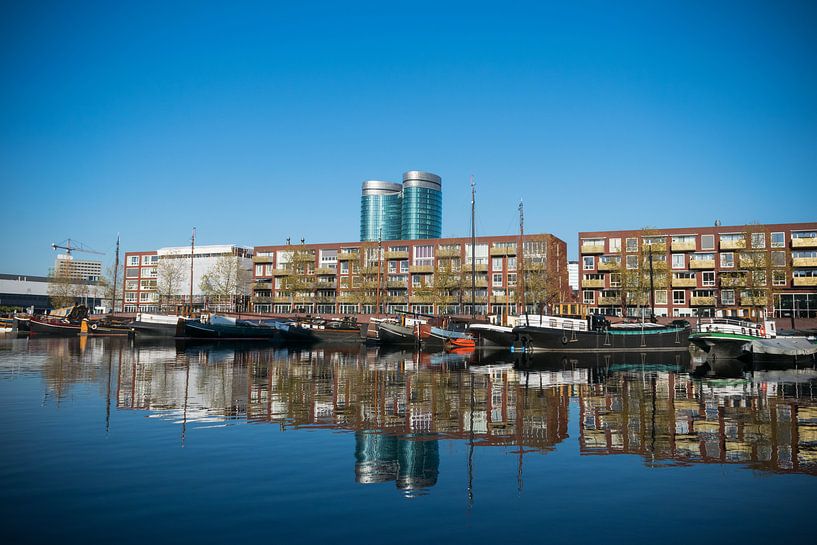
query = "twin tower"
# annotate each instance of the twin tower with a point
(413, 210)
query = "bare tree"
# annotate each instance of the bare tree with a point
(109, 293)
(170, 274)
(227, 281)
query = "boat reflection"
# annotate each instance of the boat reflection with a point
(400, 404)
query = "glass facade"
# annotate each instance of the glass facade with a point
(380, 217)
(422, 206)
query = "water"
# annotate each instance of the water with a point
(104, 440)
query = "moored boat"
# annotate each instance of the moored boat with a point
(596, 334)
(63, 322)
(225, 327)
(158, 325)
(323, 331)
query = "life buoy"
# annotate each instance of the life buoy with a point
(564, 339)
(743, 331)
(94, 326)
(762, 331)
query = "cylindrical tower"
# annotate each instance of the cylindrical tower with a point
(380, 211)
(422, 205)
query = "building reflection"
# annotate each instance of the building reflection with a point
(400, 404)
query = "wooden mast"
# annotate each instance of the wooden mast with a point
(520, 266)
(473, 254)
(115, 271)
(192, 253)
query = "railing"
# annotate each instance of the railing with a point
(592, 248)
(701, 263)
(683, 246)
(804, 261)
(804, 242)
(684, 282)
(592, 283)
(805, 281)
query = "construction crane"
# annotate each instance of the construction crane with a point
(74, 246)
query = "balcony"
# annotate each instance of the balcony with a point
(446, 252)
(326, 285)
(732, 281)
(804, 261)
(396, 255)
(326, 271)
(421, 268)
(683, 246)
(281, 299)
(281, 272)
(684, 282)
(500, 251)
(347, 298)
(805, 281)
(480, 267)
(657, 248)
(261, 286)
(262, 259)
(348, 256)
(393, 284)
(609, 301)
(425, 299)
(500, 299)
(609, 265)
(701, 263)
(804, 242)
(261, 300)
(594, 283)
(592, 248)
(732, 244)
(760, 301)
(702, 301)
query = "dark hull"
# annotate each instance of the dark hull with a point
(96, 330)
(306, 335)
(157, 330)
(199, 330)
(23, 324)
(637, 340)
(51, 328)
(396, 335)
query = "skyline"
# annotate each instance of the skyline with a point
(260, 122)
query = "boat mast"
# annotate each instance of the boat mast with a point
(115, 271)
(379, 269)
(473, 254)
(652, 291)
(520, 266)
(192, 251)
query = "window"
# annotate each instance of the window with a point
(728, 297)
(615, 280)
(344, 267)
(496, 264)
(615, 245)
(424, 255)
(708, 278)
(511, 279)
(632, 244)
(512, 263)
(759, 278)
(678, 297)
(678, 261)
(133, 260)
(778, 259)
(132, 273)
(589, 297)
(683, 275)
(496, 279)
(735, 239)
(392, 266)
(404, 266)
(632, 261)
(804, 234)
(727, 260)
(259, 270)
(758, 240)
(660, 297)
(589, 263)
(707, 242)
(778, 278)
(131, 285)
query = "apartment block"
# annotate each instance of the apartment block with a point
(168, 270)
(427, 276)
(701, 271)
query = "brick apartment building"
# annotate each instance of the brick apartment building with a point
(427, 276)
(706, 271)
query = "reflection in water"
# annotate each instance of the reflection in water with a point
(400, 404)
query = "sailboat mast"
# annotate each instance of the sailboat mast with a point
(473, 253)
(520, 266)
(192, 253)
(115, 271)
(652, 290)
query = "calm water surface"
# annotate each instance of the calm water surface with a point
(106, 440)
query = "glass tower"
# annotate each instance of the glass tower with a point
(380, 211)
(422, 215)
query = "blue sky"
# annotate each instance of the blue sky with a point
(259, 121)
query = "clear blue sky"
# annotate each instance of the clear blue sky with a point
(258, 121)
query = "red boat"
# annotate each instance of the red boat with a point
(460, 343)
(64, 322)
